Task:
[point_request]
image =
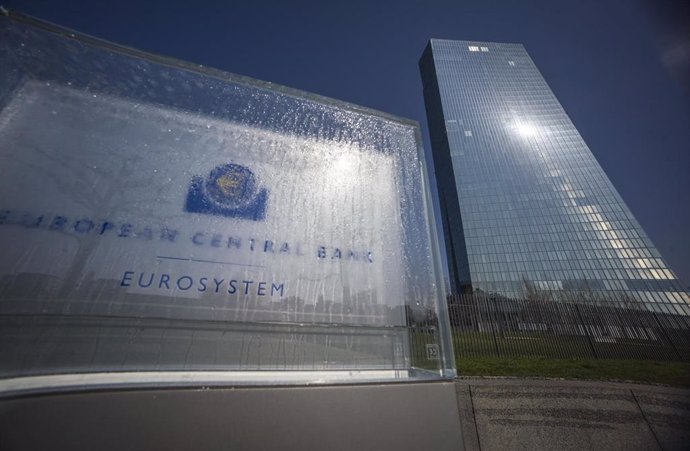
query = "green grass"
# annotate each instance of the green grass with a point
(567, 357)
(646, 371)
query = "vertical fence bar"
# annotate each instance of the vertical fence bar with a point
(490, 310)
(665, 335)
(585, 328)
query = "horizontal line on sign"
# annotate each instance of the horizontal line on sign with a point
(163, 257)
(198, 260)
(224, 263)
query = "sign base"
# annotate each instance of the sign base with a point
(406, 416)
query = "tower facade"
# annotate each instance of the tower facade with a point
(524, 203)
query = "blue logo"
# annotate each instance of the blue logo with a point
(230, 190)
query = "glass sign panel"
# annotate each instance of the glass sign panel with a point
(159, 218)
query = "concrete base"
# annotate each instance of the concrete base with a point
(416, 416)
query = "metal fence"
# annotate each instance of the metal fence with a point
(486, 325)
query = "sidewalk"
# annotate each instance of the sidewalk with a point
(522, 414)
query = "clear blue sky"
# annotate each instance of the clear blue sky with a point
(619, 67)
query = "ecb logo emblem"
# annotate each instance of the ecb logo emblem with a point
(230, 190)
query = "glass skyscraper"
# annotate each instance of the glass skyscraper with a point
(523, 200)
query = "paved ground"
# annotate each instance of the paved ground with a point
(519, 414)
